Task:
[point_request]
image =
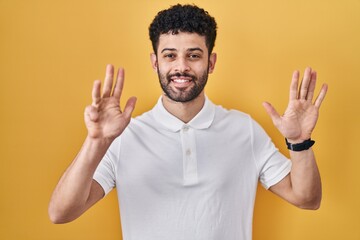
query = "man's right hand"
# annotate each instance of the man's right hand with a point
(77, 191)
(104, 118)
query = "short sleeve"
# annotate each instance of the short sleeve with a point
(272, 166)
(105, 173)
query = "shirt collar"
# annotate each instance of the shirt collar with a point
(202, 120)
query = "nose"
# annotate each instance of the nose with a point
(182, 65)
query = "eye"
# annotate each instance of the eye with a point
(194, 56)
(169, 55)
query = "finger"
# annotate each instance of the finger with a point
(304, 86)
(275, 117)
(108, 82)
(119, 83)
(294, 85)
(312, 85)
(96, 93)
(129, 107)
(321, 96)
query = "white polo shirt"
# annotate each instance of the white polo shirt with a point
(194, 181)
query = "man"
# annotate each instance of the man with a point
(188, 169)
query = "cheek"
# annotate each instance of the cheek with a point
(201, 67)
(164, 71)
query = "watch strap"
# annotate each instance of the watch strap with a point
(297, 147)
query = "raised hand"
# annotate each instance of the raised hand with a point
(301, 115)
(104, 118)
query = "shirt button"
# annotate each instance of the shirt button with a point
(185, 128)
(188, 152)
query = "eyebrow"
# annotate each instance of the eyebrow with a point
(190, 49)
(195, 49)
(168, 49)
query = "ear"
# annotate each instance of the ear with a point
(154, 62)
(212, 61)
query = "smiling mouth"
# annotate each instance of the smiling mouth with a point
(180, 80)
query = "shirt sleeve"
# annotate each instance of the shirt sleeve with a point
(105, 173)
(271, 164)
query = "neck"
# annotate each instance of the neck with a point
(184, 111)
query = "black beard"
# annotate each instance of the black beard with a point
(183, 95)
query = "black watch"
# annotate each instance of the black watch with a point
(305, 145)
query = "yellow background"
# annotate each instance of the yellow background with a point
(51, 51)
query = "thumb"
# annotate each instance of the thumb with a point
(275, 117)
(91, 113)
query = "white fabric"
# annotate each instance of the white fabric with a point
(194, 181)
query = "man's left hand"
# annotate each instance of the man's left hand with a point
(301, 115)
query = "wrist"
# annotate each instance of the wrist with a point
(297, 140)
(97, 141)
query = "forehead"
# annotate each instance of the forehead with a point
(182, 41)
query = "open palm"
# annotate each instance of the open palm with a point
(301, 114)
(104, 118)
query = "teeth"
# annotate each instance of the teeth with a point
(180, 80)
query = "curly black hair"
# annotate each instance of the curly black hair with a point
(183, 18)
